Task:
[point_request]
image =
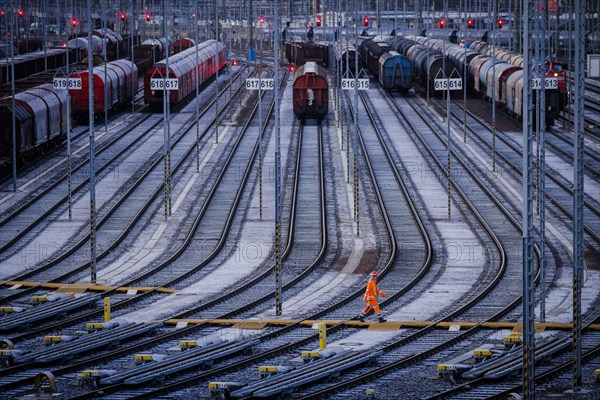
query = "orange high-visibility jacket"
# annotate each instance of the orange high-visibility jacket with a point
(372, 293)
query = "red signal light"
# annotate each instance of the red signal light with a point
(261, 20)
(366, 21)
(318, 21)
(122, 16)
(470, 23)
(1, 13)
(235, 63)
(148, 17)
(20, 13)
(500, 22)
(292, 67)
(442, 23)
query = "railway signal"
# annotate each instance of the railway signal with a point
(261, 19)
(148, 17)
(366, 21)
(1, 13)
(500, 23)
(292, 68)
(318, 21)
(123, 16)
(74, 22)
(469, 23)
(20, 13)
(442, 23)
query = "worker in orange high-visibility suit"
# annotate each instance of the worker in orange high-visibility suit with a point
(371, 297)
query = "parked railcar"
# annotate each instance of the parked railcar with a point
(351, 54)
(161, 45)
(40, 124)
(182, 66)
(32, 63)
(395, 72)
(303, 52)
(111, 85)
(115, 45)
(183, 44)
(310, 92)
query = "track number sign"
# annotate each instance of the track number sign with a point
(348, 84)
(164, 84)
(448, 84)
(263, 84)
(549, 83)
(61, 83)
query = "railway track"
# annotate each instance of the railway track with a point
(558, 190)
(123, 304)
(45, 273)
(77, 135)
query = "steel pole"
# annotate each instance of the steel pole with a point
(578, 192)
(355, 138)
(68, 101)
(12, 89)
(278, 266)
(92, 144)
(196, 36)
(528, 270)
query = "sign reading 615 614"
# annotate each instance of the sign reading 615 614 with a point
(164, 84)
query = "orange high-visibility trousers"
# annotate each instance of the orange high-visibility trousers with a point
(372, 305)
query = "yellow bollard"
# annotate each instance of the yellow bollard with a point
(322, 336)
(106, 309)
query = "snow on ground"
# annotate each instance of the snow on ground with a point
(252, 249)
(150, 245)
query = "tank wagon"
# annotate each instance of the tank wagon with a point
(310, 92)
(182, 66)
(40, 124)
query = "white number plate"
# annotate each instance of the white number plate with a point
(549, 83)
(263, 84)
(348, 84)
(164, 84)
(61, 83)
(448, 84)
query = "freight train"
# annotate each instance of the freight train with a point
(298, 53)
(112, 85)
(182, 66)
(504, 82)
(393, 70)
(40, 124)
(310, 92)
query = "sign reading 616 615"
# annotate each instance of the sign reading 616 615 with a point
(164, 84)
(348, 84)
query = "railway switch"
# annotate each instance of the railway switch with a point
(221, 390)
(53, 339)
(91, 377)
(144, 358)
(268, 370)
